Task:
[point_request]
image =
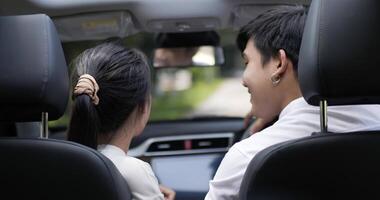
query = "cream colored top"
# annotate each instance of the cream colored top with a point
(139, 175)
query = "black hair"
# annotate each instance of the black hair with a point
(123, 76)
(275, 29)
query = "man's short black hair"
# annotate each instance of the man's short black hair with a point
(275, 29)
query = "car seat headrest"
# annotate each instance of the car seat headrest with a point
(339, 53)
(34, 75)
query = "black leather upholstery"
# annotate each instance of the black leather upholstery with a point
(34, 73)
(54, 169)
(335, 166)
(339, 53)
(338, 62)
(34, 79)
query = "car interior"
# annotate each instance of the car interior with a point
(193, 121)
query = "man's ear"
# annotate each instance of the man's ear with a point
(283, 63)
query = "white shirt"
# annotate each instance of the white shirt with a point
(298, 119)
(139, 175)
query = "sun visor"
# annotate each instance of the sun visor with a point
(95, 26)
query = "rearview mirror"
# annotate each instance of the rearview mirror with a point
(188, 56)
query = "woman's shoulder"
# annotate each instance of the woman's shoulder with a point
(132, 164)
(137, 162)
(124, 162)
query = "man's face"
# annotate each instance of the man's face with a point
(257, 78)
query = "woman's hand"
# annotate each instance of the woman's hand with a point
(169, 194)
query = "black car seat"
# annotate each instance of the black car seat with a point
(338, 65)
(34, 84)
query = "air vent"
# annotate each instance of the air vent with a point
(166, 146)
(210, 143)
(191, 144)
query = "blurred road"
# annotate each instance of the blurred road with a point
(230, 99)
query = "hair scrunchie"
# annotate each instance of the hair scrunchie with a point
(87, 85)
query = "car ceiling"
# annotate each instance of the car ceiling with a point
(147, 15)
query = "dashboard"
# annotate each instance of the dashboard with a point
(185, 154)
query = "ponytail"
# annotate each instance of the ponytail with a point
(108, 82)
(84, 122)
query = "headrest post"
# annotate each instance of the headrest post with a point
(44, 126)
(323, 113)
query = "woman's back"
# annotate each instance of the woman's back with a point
(111, 105)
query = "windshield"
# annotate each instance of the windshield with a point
(198, 92)
(185, 93)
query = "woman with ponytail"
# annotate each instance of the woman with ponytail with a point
(111, 105)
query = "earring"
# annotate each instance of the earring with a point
(275, 80)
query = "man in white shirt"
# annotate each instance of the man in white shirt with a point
(270, 45)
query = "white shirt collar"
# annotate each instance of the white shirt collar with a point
(296, 103)
(111, 149)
